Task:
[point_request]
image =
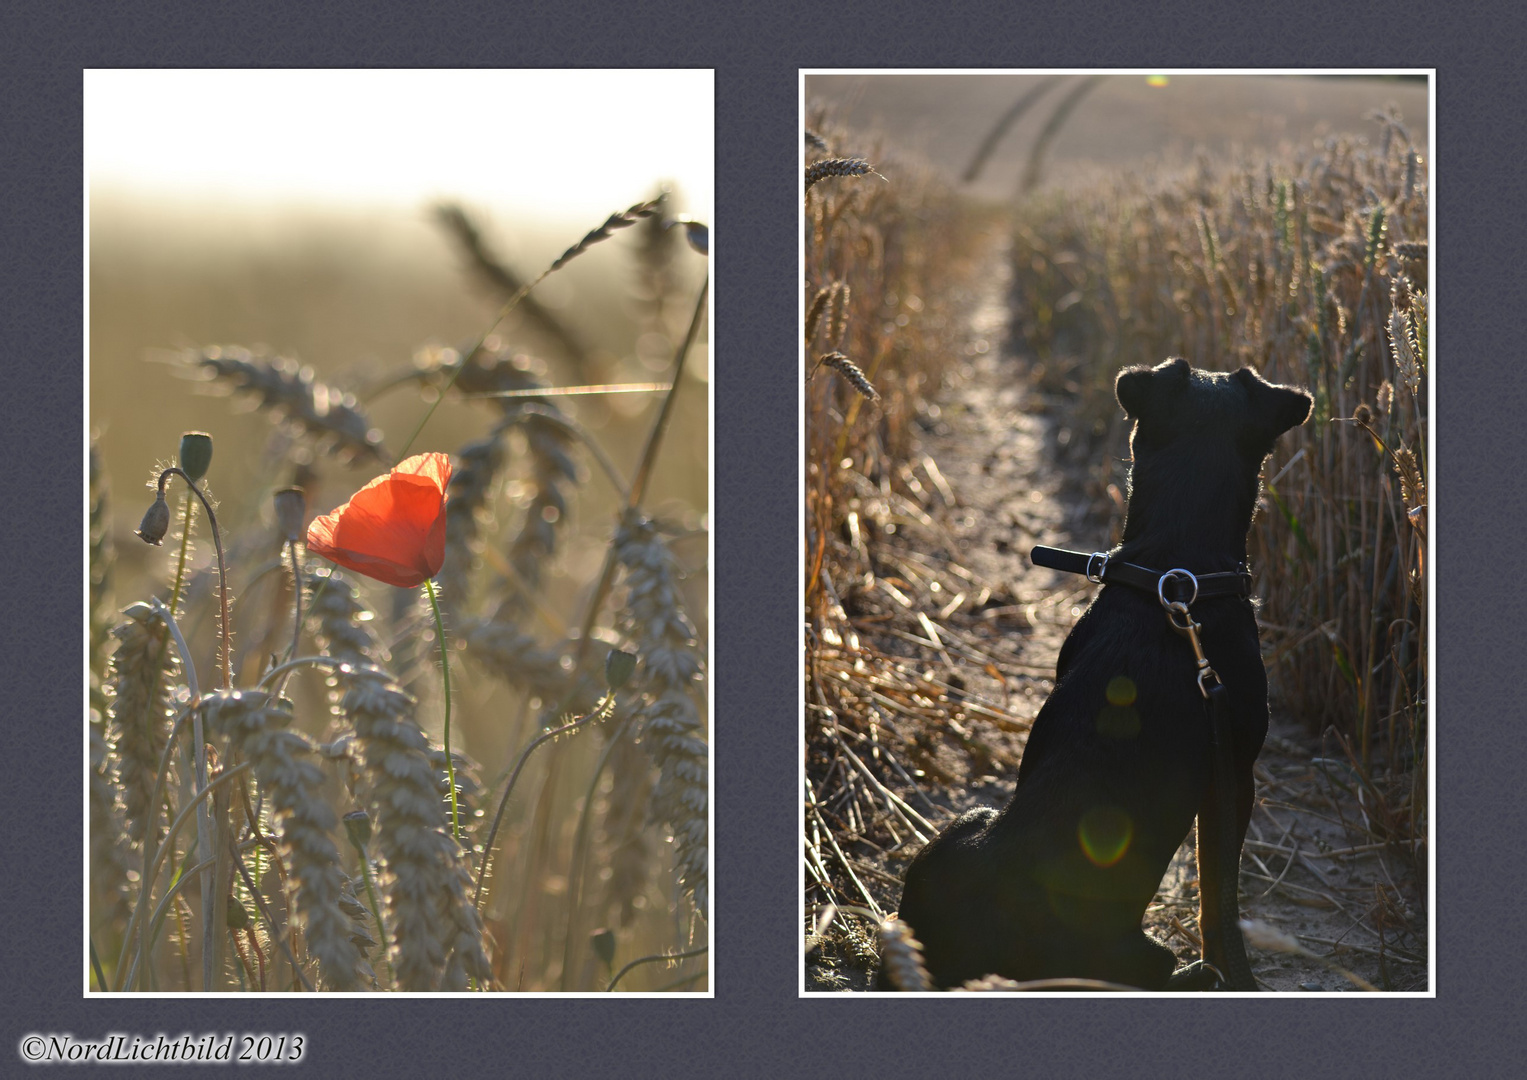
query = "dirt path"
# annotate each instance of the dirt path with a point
(991, 443)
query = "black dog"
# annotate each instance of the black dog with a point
(1119, 761)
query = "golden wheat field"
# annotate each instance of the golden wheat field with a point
(983, 255)
(394, 452)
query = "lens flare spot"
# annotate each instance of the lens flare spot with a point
(1121, 690)
(1156, 80)
(1104, 833)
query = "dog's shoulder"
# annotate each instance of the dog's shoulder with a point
(971, 822)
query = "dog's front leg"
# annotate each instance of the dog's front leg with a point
(1219, 864)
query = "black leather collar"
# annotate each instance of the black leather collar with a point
(1175, 585)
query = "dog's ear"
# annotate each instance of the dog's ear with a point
(1137, 388)
(1277, 408)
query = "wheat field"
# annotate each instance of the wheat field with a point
(271, 804)
(1306, 258)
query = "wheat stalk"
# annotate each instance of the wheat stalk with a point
(814, 310)
(497, 274)
(110, 860)
(290, 391)
(139, 684)
(622, 220)
(901, 957)
(852, 373)
(257, 726)
(625, 837)
(102, 557)
(821, 170)
(475, 472)
(672, 732)
(656, 278)
(515, 656)
(551, 467)
(360, 920)
(437, 937)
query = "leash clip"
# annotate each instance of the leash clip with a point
(1102, 557)
(1178, 610)
(1190, 629)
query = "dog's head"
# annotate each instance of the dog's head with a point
(1197, 447)
(1242, 410)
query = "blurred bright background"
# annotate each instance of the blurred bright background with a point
(1121, 121)
(293, 211)
(512, 142)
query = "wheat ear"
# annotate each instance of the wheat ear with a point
(290, 392)
(850, 371)
(673, 734)
(901, 957)
(622, 220)
(292, 782)
(437, 937)
(139, 683)
(821, 170)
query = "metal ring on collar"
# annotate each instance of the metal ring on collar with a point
(1161, 587)
(1102, 567)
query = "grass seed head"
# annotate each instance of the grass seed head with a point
(821, 170)
(852, 373)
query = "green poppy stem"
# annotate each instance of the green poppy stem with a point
(445, 668)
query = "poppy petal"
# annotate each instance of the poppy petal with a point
(393, 529)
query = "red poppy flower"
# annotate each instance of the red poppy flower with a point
(393, 529)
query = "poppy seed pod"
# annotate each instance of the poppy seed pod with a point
(156, 522)
(618, 668)
(291, 510)
(195, 454)
(358, 825)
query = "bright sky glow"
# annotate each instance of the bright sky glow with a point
(576, 144)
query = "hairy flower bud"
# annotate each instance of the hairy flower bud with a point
(156, 522)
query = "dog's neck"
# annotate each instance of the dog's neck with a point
(1178, 519)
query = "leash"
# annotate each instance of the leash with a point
(1177, 590)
